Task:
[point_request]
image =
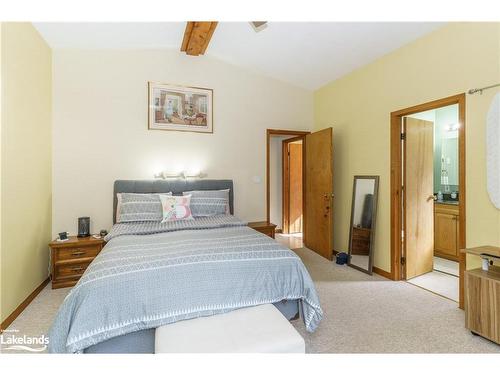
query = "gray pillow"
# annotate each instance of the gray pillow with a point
(139, 207)
(209, 202)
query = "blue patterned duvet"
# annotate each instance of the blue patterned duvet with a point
(152, 274)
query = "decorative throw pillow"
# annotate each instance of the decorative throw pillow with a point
(139, 207)
(176, 208)
(209, 202)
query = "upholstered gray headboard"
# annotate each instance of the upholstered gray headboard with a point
(175, 186)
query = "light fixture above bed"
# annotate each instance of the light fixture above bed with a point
(183, 175)
(164, 175)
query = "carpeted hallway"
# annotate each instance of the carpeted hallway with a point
(362, 314)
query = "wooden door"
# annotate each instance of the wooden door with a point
(419, 196)
(292, 185)
(318, 193)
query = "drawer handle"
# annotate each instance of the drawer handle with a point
(77, 253)
(77, 269)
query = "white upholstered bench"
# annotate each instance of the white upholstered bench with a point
(258, 329)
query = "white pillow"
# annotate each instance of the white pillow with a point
(209, 202)
(138, 207)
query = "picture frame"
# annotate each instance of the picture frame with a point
(180, 108)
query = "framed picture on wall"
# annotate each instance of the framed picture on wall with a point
(180, 108)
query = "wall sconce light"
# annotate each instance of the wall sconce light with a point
(194, 175)
(453, 127)
(165, 175)
(184, 175)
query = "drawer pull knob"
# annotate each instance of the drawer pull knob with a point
(77, 253)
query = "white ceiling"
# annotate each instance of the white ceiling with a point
(306, 54)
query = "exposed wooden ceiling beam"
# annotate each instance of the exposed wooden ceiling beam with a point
(197, 37)
(187, 35)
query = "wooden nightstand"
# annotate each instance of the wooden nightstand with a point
(69, 259)
(263, 227)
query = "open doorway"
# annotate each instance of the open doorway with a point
(292, 189)
(428, 196)
(285, 185)
(317, 189)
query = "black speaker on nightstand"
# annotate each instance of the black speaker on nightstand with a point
(84, 226)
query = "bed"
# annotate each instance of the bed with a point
(150, 274)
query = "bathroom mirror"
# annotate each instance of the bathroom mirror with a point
(362, 228)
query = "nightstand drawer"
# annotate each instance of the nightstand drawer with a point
(78, 252)
(70, 270)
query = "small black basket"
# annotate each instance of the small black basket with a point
(341, 258)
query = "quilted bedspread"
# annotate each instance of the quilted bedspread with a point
(152, 274)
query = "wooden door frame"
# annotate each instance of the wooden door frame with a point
(285, 182)
(282, 132)
(397, 193)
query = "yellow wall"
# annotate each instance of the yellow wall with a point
(26, 166)
(1, 127)
(446, 62)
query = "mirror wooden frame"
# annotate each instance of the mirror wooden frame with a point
(374, 222)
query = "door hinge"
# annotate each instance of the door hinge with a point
(403, 260)
(403, 136)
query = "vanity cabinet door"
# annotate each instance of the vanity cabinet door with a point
(445, 234)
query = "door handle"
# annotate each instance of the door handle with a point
(430, 197)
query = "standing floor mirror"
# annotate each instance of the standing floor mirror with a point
(362, 228)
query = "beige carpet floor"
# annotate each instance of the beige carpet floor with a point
(362, 314)
(370, 314)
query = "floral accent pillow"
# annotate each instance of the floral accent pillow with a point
(176, 207)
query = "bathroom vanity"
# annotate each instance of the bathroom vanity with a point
(446, 230)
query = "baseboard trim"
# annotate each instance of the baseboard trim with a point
(8, 321)
(383, 273)
(378, 271)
